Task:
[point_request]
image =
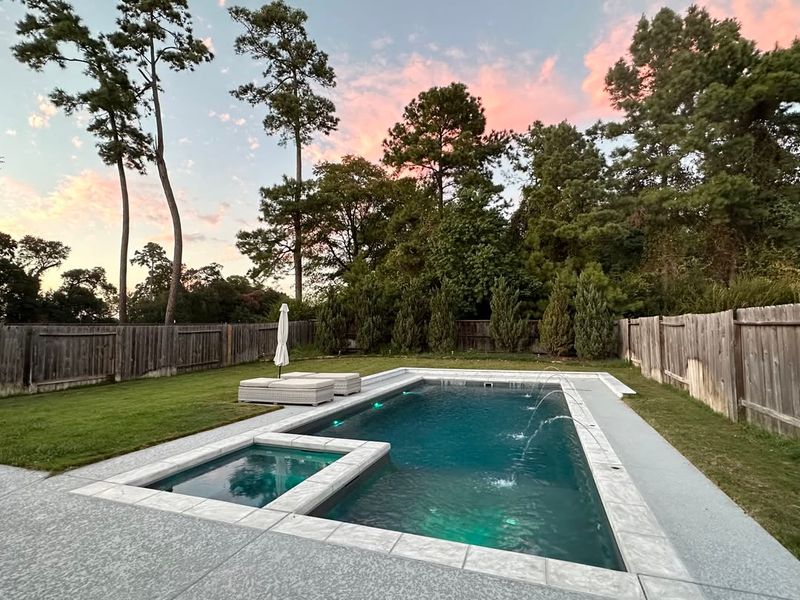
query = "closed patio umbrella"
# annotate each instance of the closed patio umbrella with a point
(282, 352)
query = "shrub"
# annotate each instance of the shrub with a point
(555, 329)
(594, 325)
(506, 325)
(369, 319)
(442, 327)
(408, 333)
(331, 324)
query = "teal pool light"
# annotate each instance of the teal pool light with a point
(337, 423)
(377, 405)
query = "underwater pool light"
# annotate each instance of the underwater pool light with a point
(337, 422)
(510, 521)
(377, 405)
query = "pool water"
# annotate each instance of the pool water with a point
(253, 476)
(457, 472)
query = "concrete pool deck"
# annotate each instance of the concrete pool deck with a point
(54, 544)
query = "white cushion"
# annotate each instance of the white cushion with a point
(258, 382)
(301, 383)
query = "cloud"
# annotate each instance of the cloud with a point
(11, 132)
(767, 23)
(253, 143)
(455, 53)
(44, 111)
(370, 97)
(772, 23)
(382, 42)
(209, 43)
(76, 141)
(221, 3)
(601, 57)
(240, 122)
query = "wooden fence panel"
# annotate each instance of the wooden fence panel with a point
(674, 351)
(69, 355)
(475, 335)
(649, 347)
(770, 364)
(199, 347)
(13, 341)
(744, 364)
(48, 357)
(710, 369)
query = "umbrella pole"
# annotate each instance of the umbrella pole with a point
(279, 371)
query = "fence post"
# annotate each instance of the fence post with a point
(660, 333)
(27, 365)
(738, 370)
(118, 354)
(229, 344)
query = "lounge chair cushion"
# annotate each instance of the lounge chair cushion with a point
(258, 382)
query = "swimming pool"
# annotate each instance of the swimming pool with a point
(488, 466)
(252, 476)
(549, 511)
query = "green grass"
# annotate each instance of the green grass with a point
(61, 430)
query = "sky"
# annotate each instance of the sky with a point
(526, 59)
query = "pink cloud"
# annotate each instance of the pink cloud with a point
(370, 98)
(767, 22)
(601, 57)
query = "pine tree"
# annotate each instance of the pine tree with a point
(555, 330)
(594, 326)
(331, 324)
(369, 320)
(409, 326)
(442, 327)
(506, 326)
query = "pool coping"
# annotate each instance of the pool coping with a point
(643, 545)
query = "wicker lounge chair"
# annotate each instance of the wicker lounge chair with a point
(268, 390)
(344, 384)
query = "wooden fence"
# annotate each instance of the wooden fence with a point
(474, 335)
(744, 364)
(36, 358)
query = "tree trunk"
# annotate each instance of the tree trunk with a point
(440, 189)
(298, 222)
(123, 246)
(177, 251)
(126, 226)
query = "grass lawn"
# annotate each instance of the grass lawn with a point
(60, 430)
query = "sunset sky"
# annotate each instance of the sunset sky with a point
(526, 59)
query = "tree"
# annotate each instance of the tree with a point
(53, 33)
(594, 324)
(470, 246)
(555, 329)
(704, 131)
(408, 333)
(273, 247)
(506, 326)
(18, 290)
(352, 204)
(37, 255)
(443, 138)
(568, 210)
(85, 296)
(368, 314)
(293, 66)
(331, 324)
(156, 33)
(442, 326)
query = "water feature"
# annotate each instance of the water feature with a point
(454, 451)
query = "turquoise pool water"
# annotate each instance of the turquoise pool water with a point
(253, 476)
(457, 472)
